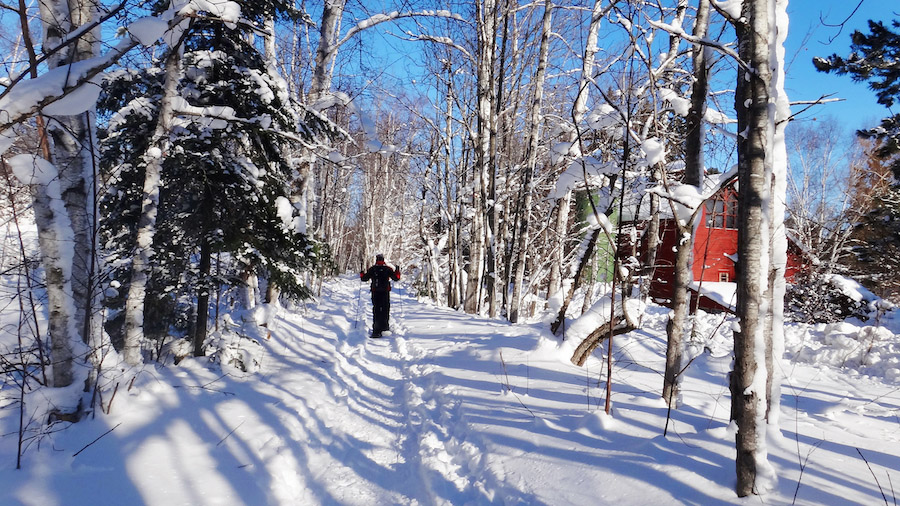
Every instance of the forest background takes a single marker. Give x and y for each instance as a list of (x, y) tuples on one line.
[(176, 155)]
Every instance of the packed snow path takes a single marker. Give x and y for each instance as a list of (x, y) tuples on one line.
[(452, 409), (379, 428)]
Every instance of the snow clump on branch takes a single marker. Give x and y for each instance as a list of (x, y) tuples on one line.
[(603, 117), (680, 105), (148, 30), (229, 12), (654, 151), (731, 7), (585, 171)]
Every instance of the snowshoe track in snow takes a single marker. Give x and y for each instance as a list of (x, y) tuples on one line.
[(422, 448)]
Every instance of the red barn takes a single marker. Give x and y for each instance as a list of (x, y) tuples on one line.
[(715, 255)]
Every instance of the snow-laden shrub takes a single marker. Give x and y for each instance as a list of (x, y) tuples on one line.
[(816, 298), (176, 349), (234, 350)]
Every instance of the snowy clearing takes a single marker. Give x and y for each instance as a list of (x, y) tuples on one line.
[(456, 409)]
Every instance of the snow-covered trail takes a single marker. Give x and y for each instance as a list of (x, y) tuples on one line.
[(448, 409), (377, 429), (403, 437)]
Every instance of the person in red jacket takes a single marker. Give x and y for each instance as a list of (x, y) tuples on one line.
[(381, 276)]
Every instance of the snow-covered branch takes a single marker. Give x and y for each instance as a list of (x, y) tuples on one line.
[(810, 103), (73, 88), (729, 9), (679, 31), (391, 16), (687, 200), (28, 97), (71, 38), (447, 41), (66, 87)]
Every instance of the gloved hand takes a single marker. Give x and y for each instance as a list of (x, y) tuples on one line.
[(361, 274)]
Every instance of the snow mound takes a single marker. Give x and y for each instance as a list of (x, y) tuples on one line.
[(862, 349)]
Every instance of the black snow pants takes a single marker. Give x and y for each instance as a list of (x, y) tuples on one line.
[(381, 310)]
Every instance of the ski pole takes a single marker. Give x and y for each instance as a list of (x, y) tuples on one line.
[(359, 297), (358, 306), (400, 295)]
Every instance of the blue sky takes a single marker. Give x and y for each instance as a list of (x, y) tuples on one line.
[(804, 83)]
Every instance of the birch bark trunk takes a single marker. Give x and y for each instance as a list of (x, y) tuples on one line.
[(531, 163), (778, 251), (140, 261), (752, 106), (454, 206), (71, 152), (56, 253), (74, 156), (325, 51), (486, 48), (693, 175)]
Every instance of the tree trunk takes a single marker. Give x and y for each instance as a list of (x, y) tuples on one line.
[(590, 343), (56, 251), (71, 152), (582, 263), (652, 238), (693, 175), (530, 164), (486, 46), (140, 261), (454, 284), (699, 89), (269, 41), (778, 254), (325, 52), (202, 322), (558, 252), (752, 106), (492, 210), (246, 293), (678, 316), (272, 293), (74, 158)]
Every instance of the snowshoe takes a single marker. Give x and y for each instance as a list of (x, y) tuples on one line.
[(375, 333)]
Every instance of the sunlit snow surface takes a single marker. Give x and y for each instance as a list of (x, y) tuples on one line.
[(456, 409)]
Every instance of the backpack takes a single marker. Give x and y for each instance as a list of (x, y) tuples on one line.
[(381, 279)]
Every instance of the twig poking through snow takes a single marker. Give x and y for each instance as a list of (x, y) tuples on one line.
[(105, 433), (873, 475), (505, 372), (230, 433)]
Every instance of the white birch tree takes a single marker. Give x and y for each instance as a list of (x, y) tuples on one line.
[(143, 252), (693, 175), (761, 106), (534, 123), (486, 30)]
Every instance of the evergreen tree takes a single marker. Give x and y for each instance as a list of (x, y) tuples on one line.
[(225, 190), (873, 58)]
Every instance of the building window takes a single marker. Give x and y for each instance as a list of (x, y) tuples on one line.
[(724, 277), (721, 210)]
